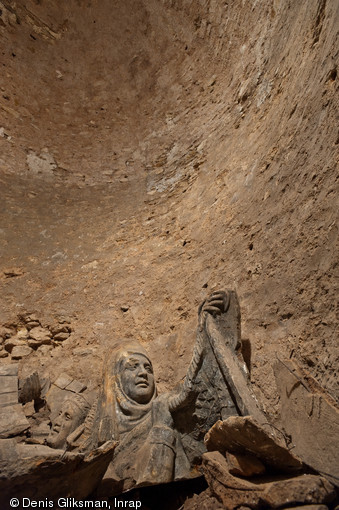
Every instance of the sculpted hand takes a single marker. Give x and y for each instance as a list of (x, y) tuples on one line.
[(215, 304), (160, 411)]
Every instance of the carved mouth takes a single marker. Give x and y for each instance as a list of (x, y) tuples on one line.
[(142, 384)]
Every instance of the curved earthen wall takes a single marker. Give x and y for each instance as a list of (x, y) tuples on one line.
[(153, 151)]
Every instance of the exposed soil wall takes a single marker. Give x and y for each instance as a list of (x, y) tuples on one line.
[(154, 151)]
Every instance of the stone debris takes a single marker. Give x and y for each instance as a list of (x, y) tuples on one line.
[(21, 351), (271, 492), (247, 467), (36, 471), (29, 409), (242, 434), (61, 336), (3, 353), (14, 341), (31, 335), (41, 335), (244, 465)]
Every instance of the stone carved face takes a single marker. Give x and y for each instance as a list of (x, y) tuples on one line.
[(137, 378), (69, 418)]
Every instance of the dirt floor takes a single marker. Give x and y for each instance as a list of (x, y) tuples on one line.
[(152, 151)]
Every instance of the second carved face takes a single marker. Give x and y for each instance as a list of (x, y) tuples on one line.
[(68, 420), (137, 378)]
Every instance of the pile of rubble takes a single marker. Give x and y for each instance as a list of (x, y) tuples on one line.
[(247, 468), (19, 340)]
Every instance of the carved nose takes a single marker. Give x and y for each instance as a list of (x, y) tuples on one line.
[(142, 372), (58, 420)]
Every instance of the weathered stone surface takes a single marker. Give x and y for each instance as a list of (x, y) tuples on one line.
[(310, 418), (11, 369), (244, 465), (3, 353), (8, 390), (276, 493), (61, 336), (8, 385), (203, 501), (40, 334), (12, 421), (14, 341), (76, 386), (5, 332), (47, 473), (21, 351), (32, 324), (29, 409), (63, 381), (60, 328), (242, 434)]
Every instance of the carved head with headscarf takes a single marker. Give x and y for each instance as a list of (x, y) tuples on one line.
[(127, 392)]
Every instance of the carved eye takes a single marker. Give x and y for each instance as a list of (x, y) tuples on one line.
[(67, 416), (131, 366), (149, 369)]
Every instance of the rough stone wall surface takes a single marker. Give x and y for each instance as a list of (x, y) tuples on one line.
[(152, 151)]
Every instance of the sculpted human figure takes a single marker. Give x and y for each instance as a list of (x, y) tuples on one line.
[(161, 438), (130, 412), (72, 413)]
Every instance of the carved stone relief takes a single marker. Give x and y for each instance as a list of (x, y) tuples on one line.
[(128, 436)]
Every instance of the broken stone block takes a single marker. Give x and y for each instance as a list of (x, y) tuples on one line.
[(11, 369), (60, 328), (3, 353), (12, 421), (76, 386), (29, 409), (44, 349), (32, 324), (63, 381), (5, 332), (8, 385), (22, 333), (14, 341), (244, 465), (35, 344), (61, 336), (242, 434), (279, 492), (8, 390), (310, 417), (21, 351), (42, 335), (299, 490), (43, 472)]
